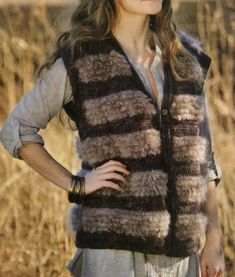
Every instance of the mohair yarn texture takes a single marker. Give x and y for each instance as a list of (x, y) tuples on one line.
[(167, 151)]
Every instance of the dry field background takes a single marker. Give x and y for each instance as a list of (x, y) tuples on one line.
[(34, 237)]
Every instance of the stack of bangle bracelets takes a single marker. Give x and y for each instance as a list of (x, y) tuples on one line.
[(76, 192)]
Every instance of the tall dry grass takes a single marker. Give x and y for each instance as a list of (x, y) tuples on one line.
[(34, 237), (216, 29)]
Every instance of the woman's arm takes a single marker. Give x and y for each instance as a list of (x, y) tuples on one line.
[(35, 110), (38, 158), (213, 231), (19, 133), (214, 170), (212, 257)]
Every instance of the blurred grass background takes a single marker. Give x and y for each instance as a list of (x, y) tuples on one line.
[(34, 237)]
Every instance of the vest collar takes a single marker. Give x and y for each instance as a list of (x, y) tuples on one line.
[(190, 42)]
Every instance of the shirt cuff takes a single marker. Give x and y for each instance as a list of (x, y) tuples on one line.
[(214, 172), (24, 140)]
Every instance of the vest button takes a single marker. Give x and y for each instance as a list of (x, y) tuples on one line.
[(164, 111)]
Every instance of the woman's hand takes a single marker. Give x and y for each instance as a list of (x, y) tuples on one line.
[(98, 178), (212, 257), (212, 260)]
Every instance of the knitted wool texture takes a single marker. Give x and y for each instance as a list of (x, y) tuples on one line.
[(159, 210)]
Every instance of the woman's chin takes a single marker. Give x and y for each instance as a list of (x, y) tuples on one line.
[(152, 9)]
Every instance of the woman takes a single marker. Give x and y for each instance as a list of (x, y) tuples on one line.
[(134, 90)]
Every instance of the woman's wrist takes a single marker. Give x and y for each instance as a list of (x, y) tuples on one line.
[(76, 192), (214, 234)]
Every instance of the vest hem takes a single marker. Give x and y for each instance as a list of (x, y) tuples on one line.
[(148, 245)]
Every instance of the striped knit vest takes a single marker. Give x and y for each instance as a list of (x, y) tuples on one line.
[(159, 210)]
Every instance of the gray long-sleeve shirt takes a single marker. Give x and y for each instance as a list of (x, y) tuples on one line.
[(49, 94)]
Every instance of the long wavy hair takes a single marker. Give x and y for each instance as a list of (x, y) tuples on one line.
[(94, 20)]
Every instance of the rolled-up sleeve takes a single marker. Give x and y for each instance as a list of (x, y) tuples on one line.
[(214, 169), (215, 173), (35, 109)]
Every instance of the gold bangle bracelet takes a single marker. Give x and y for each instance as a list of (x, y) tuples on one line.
[(81, 194), (76, 192), (71, 193)]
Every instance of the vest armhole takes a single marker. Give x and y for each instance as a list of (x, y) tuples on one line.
[(66, 57), (68, 107), (194, 46)]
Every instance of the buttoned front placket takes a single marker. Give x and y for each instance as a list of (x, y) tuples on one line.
[(164, 123)]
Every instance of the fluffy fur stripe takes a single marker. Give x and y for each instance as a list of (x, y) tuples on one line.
[(191, 189), (140, 184), (144, 191), (189, 149), (116, 106), (101, 67), (73, 218), (150, 162), (147, 183), (191, 226), (124, 221), (187, 107), (134, 145)]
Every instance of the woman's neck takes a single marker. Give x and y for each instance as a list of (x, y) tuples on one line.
[(135, 36), (133, 32)]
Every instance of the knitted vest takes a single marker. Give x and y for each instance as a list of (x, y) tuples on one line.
[(159, 210)]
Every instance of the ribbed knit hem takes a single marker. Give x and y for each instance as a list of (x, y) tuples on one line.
[(110, 240), (178, 248)]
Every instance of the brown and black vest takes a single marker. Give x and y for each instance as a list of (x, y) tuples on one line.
[(167, 151)]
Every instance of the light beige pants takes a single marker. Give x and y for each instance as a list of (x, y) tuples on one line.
[(122, 263)]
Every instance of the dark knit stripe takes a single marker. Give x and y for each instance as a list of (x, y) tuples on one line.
[(187, 87), (181, 248), (122, 126), (141, 164), (186, 207), (146, 203), (112, 240), (149, 245), (90, 48), (182, 129), (103, 88), (181, 169)]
